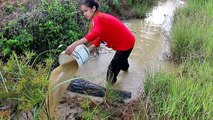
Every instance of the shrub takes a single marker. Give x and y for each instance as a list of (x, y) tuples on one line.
[(44, 27), (22, 84)]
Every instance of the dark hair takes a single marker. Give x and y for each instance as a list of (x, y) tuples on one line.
[(90, 3)]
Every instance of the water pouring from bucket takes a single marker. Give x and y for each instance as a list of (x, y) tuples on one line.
[(61, 77), (81, 54)]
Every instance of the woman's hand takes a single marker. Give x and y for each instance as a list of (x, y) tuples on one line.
[(70, 49), (92, 48)]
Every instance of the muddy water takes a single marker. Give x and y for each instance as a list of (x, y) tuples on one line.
[(59, 81), (148, 54)]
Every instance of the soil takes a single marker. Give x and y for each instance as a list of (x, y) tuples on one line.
[(11, 2), (4, 15), (70, 108)]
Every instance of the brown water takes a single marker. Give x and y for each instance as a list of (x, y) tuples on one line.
[(60, 79)]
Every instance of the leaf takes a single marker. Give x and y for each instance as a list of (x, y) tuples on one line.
[(1, 42), (12, 43), (6, 51)]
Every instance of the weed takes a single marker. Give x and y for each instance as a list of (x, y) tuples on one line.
[(186, 94), (24, 85)]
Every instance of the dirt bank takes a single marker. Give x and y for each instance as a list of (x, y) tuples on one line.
[(71, 107)]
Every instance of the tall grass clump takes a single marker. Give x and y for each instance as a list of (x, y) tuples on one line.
[(22, 85), (192, 36), (141, 7), (187, 94)]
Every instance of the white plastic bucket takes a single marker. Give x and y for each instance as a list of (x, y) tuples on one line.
[(80, 54)]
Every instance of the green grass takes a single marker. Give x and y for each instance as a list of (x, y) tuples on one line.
[(22, 85), (141, 7), (187, 93), (192, 36), (127, 8)]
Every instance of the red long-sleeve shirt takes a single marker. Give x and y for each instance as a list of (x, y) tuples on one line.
[(113, 32)]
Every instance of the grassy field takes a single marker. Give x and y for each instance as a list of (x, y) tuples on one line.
[(187, 93)]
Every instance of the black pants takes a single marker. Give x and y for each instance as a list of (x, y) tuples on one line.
[(119, 62)]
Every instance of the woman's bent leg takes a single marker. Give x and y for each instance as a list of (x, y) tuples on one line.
[(119, 62)]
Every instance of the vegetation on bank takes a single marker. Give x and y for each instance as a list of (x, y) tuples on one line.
[(125, 9), (41, 26), (31, 37), (23, 85), (186, 93)]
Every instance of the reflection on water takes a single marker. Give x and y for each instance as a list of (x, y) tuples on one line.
[(148, 53)]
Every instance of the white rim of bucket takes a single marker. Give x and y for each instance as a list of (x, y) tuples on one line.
[(76, 56)]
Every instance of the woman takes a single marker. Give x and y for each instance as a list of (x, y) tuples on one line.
[(108, 29)]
